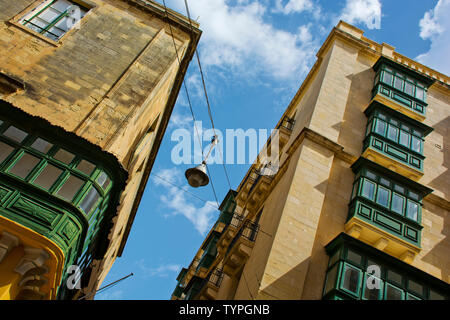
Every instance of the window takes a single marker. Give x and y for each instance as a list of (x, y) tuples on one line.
[(15, 134), (372, 291), (368, 189), (48, 176), (380, 127), (64, 156), (53, 18), (416, 144), (24, 165), (70, 188), (415, 287), (5, 151), (392, 133), (404, 138), (398, 203), (103, 180), (383, 196), (354, 257), (394, 277), (90, 200), (41, 145), (86, 167), (393, 293), (412, 210), (351, 279), (331, 279)]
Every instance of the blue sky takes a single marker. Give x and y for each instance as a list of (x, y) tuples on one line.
[(255, 55)]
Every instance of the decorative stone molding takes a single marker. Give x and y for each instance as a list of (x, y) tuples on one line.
[(7, 243), (33, 258)]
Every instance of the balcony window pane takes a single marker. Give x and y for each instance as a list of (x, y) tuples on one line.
[(399, 189), (409, 88), (331, 279), (392, 133), (48, 176), (398, 203), (90, 200), (371, 175), (5, 151), (394, 276), (387, 78), (350, 279), (411, 297), (103, 180), (383, 196), (385, 182), (64, 156), (334, 258), (393, 293), (415, 287), (416, 144), (41, 145), (15, 134), (420, 93), (70, 188), (413, 195), (368, 189), (404, 138), (372, 288), (86, 167), (355, 189), (398, 83), (436, 296), (354, 257), (380, 127), (24, 165), (412, 210)]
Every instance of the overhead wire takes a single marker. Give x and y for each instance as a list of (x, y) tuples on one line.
[(182, 189), (190, 105), (206, 97)]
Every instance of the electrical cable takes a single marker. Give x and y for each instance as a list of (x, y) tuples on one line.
[(189, 102), (206, 97), (182, 189)]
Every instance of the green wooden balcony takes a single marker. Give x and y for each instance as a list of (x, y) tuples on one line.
[(357, 271), (385, 210), (193, 288), (402, 86), (394, 139)]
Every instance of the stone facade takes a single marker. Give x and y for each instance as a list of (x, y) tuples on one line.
[(111, 82), (306, 204)]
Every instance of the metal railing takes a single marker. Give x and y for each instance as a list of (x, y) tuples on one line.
[(249, 231), (287, 123)]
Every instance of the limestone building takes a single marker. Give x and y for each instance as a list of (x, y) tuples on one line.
[(86, 91), (359, 208)]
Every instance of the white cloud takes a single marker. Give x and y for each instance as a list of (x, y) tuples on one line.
[(161, 271), (435, 26), (294, 6), (180, 120), (238, 37), (176, 200), (367, 12), (110, 295)]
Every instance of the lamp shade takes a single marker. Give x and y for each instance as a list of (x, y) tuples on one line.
[(197, 176)]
